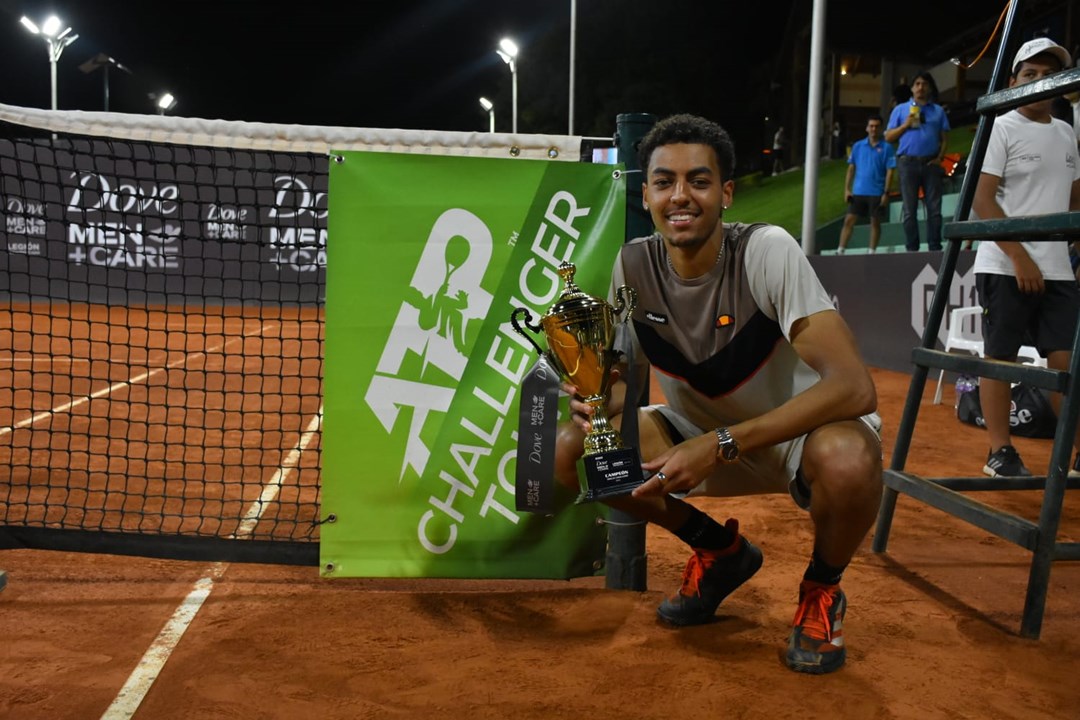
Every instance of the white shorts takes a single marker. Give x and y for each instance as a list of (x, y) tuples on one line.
[(774, 469)]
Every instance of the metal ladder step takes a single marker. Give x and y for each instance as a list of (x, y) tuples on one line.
[(1044, 378)]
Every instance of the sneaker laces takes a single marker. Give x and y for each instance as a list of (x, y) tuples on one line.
[(813, 613), (694, 571), (703, 560)]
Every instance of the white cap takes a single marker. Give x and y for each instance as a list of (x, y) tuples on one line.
[(1041, 45)]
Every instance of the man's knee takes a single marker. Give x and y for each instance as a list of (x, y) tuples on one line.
[(654, 433), (844, 457)]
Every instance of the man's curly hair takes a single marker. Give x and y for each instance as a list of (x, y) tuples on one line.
[(689, 129)]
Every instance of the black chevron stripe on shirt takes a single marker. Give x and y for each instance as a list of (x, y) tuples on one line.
[(726, 370)]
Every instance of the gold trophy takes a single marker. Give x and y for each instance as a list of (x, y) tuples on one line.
[(580, 331)]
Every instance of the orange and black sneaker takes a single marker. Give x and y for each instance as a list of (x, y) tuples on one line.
[(816, 643), (709, 577)]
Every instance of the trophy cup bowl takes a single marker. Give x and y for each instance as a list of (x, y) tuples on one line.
[(580, 332)]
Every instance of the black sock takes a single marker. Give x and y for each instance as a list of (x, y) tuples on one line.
[(821, 572), (702, 532)]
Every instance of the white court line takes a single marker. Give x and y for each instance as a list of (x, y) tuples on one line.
[(142, 678), (271, 489), (33, 360), (34, 419)]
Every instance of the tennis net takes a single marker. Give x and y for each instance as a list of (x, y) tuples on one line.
[(162, 285), (161, 348)]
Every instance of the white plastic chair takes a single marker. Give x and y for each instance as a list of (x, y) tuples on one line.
[(961, 337)]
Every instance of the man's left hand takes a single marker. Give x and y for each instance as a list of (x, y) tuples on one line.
[(680, 468)]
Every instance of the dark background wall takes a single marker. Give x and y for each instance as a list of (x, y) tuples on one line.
[(885, 299)]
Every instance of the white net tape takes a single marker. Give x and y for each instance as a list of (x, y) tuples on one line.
[(292, 138)]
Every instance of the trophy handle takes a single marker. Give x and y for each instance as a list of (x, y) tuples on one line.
[(528, 320), (627, 297)]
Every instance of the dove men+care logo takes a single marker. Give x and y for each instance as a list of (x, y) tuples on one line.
[(123, 222), (24, 221), (451, 368), (297, 221)]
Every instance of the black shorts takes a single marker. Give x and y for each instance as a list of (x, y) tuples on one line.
[(866, 206), (1011, 318)]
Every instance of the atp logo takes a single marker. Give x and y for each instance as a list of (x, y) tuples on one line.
[(443, 302)]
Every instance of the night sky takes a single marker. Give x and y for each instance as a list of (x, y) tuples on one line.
[(424, 64)]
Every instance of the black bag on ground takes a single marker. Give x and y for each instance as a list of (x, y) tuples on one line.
[(1031, 414)]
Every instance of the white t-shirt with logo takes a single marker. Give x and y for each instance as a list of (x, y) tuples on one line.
[(1037, 164)]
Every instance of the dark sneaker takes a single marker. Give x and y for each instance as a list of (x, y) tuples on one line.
[(1075, 470), (1005, 462), (816, 643), (709, 577)]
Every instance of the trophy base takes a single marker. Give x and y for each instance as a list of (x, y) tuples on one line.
[(611, 473)]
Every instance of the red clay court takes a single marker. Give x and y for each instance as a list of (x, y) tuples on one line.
[(932, 628)]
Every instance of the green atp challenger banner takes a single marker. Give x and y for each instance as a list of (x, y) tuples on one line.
[(430, 256)]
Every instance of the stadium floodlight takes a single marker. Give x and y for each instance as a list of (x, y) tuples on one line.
[(508, 51), (165, 101), (490, 107), (56, 39)]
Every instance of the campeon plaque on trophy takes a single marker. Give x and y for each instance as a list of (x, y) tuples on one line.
[(580, 332)]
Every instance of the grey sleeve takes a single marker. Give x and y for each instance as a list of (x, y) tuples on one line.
[(781, 280)]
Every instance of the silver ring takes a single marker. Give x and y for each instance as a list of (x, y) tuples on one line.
[(661, 477)]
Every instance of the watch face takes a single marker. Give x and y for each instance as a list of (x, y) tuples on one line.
[(730, 451)]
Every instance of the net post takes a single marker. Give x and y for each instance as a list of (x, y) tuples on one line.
[(626, 567)]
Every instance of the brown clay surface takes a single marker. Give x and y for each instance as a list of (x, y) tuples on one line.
[(932, 628)]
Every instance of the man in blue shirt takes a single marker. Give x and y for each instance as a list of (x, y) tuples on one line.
[(920, 127), (871, 167)]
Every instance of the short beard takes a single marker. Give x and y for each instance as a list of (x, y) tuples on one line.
[(687, 243)]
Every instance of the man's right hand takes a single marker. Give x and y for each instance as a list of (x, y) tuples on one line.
[(1029, 278)]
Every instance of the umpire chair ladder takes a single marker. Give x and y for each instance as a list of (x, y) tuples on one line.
[(947, 494)]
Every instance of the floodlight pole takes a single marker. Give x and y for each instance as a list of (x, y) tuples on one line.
[(508, 51), (513, 75), (52, 73), (56, 49), (813, 127), (103, 61), (56, 42), (573, 43), (490, 108)]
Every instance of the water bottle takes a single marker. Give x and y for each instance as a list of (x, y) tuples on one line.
[(964, 384)]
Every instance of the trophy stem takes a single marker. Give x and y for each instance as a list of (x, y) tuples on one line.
[(603, 436)]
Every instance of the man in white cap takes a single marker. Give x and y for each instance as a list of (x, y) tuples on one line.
[(1027, 289)]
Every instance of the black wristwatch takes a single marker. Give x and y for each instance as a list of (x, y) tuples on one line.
[(727, 448)]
